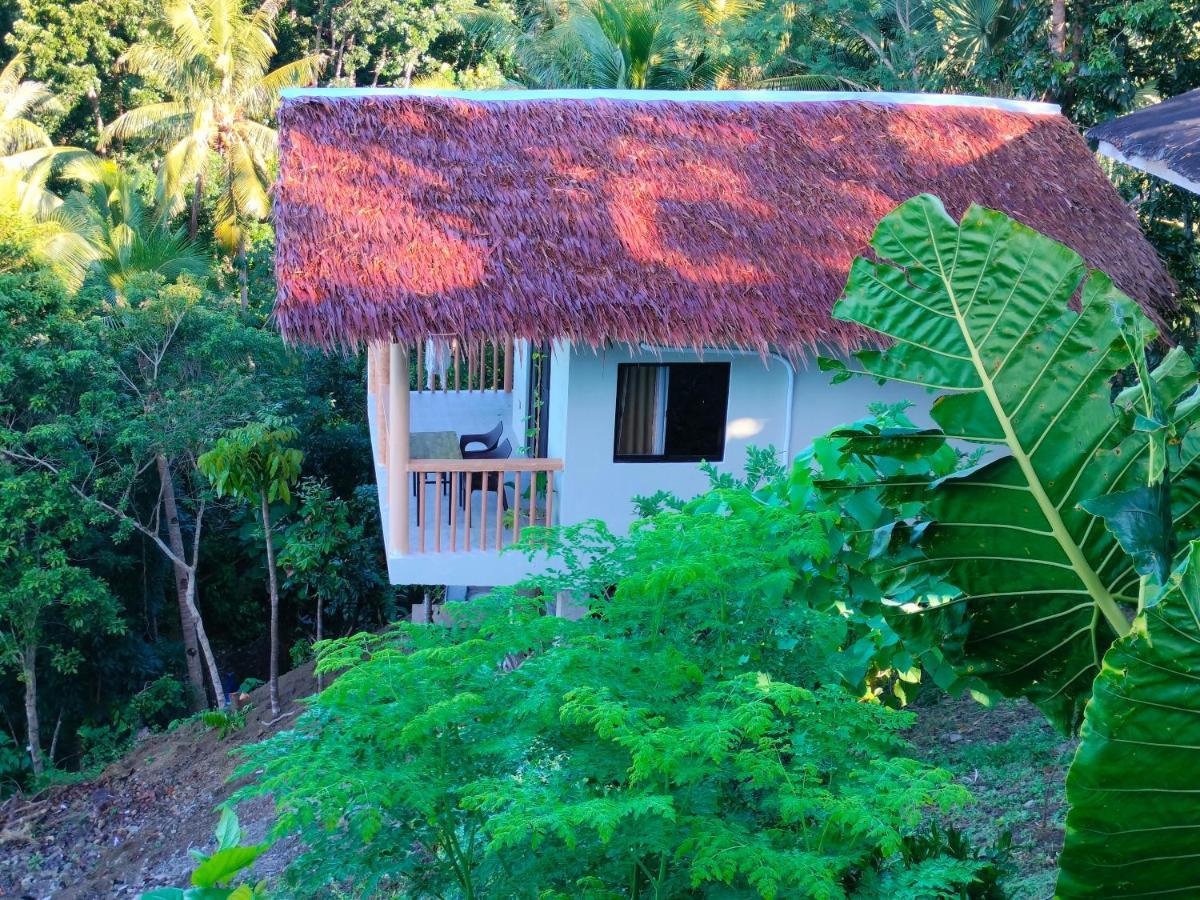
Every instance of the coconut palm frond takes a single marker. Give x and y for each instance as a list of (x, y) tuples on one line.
[(249, 183), (806, 81), (976, 28), (154, 121), (20, 99), (260, 98), (106, 227), (182, 163), (263, 141)]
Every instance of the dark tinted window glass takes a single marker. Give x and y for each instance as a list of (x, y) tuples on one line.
[(671, 412)]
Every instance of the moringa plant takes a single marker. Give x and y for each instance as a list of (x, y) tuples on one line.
[(1062, 540)]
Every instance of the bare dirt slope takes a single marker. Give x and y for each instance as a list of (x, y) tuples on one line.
[(130, 829)]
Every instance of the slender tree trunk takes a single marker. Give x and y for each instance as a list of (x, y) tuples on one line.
[(1058, 28), (32, 729), (197, 197), (94, 100), (187, 622), (214, 674), (379, 64), (53, 754), (320, 634), (243, 270), (274, 679)]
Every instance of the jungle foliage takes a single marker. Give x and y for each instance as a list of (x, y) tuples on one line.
[(1069, 544), (701, 729)]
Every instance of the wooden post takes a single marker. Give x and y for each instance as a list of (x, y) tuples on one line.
[(397, 460), (508, 365)]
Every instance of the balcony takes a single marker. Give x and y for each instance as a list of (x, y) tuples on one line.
[(445, 518)]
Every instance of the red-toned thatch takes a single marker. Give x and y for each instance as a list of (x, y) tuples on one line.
[(667, 222)]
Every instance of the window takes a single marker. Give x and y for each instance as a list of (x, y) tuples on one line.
[(673, 412)]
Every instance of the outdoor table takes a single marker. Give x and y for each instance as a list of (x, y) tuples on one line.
[(432, 445)]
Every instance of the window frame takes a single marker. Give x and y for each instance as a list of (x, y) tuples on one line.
[(620, 458)]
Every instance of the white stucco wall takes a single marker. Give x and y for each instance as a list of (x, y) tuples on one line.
[(583, 401)]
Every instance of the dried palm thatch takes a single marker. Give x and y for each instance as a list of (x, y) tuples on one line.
[(668, 222)]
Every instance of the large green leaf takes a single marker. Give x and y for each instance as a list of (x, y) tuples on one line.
[(1134, 825), (980, 310)]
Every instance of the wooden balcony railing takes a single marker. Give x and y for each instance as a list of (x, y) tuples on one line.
[(477, 504), (476, 365), (423, 494)]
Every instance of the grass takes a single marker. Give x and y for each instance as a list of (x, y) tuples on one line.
[(1014, 763)]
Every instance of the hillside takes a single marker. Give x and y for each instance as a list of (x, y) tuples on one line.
[(130, 829)]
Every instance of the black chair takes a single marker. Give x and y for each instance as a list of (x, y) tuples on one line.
[(486, 481), (489, 441)]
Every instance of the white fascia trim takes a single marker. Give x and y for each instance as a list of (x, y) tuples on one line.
[(1155, 167), (521, 96)]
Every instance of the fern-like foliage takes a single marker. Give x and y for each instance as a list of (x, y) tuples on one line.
[(692, 737)]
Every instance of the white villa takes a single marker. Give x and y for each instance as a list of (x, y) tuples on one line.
[(571, 298)]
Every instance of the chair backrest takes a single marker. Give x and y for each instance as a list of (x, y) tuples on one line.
[(502, 450), (493, 437), (488, 440)]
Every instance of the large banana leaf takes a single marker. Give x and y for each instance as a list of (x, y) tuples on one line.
[(1133, 829), (980, 310)]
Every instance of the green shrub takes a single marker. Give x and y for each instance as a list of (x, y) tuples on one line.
[(160, 702), (16, 774), (690, 737), (225, 721)]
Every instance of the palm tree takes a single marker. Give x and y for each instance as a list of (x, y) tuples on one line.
[(19, 100), (976, 31), (211, 60), (624, 44), (104, 226)]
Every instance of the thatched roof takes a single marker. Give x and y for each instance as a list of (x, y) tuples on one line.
[(1163, 139), (714, 219)]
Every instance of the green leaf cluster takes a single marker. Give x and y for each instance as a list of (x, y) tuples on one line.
[(1060, 546), (690, 736)]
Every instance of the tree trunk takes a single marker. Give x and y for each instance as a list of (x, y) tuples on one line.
[(32, 730), (94, 100), (53, 754), (197, 197), (1058, 28), (274, 679), (187, 622), (214, 673), (243, 271), (320, 634)]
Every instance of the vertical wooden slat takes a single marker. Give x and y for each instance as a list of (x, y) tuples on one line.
[(453, 500), (549, 497), (457, 366), (499, 507), (482, 511), (420, 366), (397, 454), (533, 497), (482, 365), (508, 364), (516, 506), (422, 517), (470, 365), (496, 365), (467, 476)]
